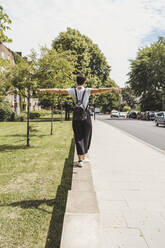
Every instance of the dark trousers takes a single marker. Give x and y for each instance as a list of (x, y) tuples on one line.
[(82, 134)]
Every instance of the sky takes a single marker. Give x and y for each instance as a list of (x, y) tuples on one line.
[(118, 27)]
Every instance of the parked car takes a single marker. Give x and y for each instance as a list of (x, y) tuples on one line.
[(123, 114), (132, 115), (142, 116), (160, 118), (114, 113), (150, 115)]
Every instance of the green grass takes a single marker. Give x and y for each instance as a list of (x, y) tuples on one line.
[(34, 183)]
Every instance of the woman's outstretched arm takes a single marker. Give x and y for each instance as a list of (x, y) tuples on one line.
[(104, 90), (55, 91)]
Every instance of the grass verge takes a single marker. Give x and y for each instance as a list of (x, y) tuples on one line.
[(34, 183)]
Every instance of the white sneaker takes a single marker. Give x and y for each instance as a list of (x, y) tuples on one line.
[(85, 160), (80, 163)]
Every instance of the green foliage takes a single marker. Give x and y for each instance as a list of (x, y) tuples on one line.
[(4, 65), (19, 77), (126, 108), (21, 117), (128, 97), (17, 58), (4, 25), (5, 110), (107, 101), (88, 59), (44, 112), (55, 70), (34, 114), (138, 108), (147, 77)]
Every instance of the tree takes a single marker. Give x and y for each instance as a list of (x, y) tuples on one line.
[(147, 77), (5, 22), (21, 77), (55, 70), (6, 111), (128, 97), (88, 59), (107, 101), (126, 108)]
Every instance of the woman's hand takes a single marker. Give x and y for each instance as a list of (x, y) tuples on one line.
[(116, 90)]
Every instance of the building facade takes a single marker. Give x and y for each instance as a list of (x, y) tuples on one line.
[(13, 99)]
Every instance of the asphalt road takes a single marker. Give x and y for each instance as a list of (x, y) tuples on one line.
[(144, 130)]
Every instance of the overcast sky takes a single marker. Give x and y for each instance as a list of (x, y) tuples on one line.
[(119, 27)]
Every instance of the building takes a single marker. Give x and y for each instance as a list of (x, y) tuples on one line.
[(5, 53), (13, 99), (34, 104)]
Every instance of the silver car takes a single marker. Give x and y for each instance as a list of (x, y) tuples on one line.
[(160, 118), (114, 113)]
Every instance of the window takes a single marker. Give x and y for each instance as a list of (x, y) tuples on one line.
[(3, 54), (160, 114)]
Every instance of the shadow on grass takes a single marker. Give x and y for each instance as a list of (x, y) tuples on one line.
[(59, 203), (24, 135), (32, 204), (46, 120), (10, 148), (55, 228)]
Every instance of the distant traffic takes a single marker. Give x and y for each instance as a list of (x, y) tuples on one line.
[(158, 117)]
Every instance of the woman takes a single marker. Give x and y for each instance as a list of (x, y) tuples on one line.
[(82, 128)]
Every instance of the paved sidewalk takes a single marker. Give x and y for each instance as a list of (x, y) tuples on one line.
[(129, 180)]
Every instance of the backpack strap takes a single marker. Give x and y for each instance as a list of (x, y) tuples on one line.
[(83, 96), (77, 96)]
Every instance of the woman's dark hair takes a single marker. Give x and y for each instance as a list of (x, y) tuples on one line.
[(80, 79)]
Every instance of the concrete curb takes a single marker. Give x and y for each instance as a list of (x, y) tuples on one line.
[(81, 227)]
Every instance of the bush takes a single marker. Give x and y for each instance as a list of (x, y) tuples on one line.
[(57, 111), (44, 112), (6, 112), (21, 117), (34, 114), (126, 108), (12, 117)]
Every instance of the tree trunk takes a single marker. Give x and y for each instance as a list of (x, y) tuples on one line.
[(28, 117), (67, 113), (51, 132), (61, 112), (163, 100)]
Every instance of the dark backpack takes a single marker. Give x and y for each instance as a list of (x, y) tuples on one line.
[(79, 111)]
